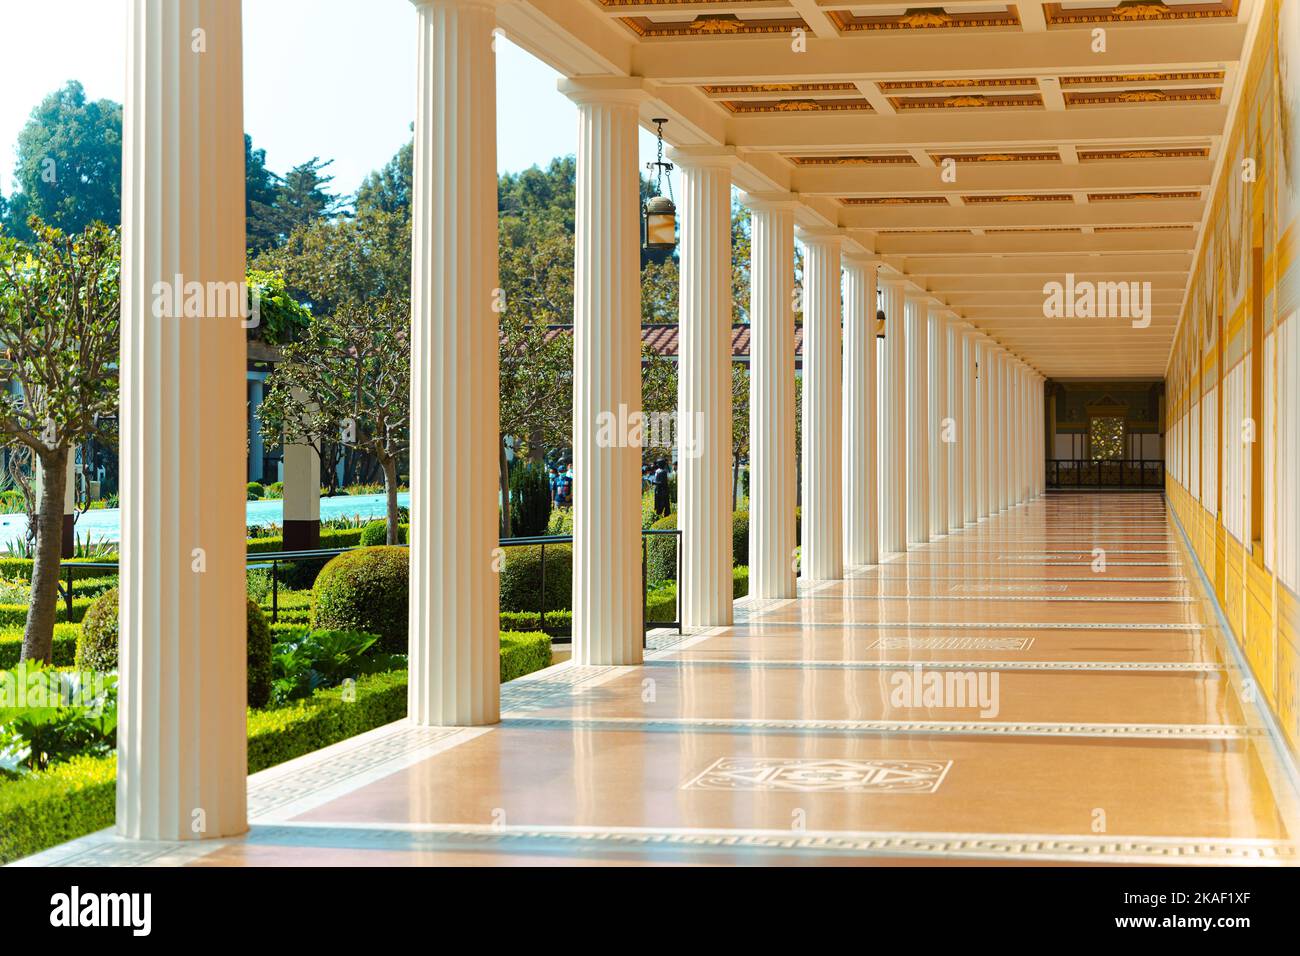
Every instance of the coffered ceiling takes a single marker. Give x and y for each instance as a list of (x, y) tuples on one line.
[(980, 149)]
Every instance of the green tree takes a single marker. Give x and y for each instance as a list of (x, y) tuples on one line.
[(302, 197), (739, 424), (389, 189), (259, 189), (348, 380), (59, 334), (69, 168)]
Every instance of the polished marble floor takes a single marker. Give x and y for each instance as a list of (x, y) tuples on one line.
[(1000, 695)]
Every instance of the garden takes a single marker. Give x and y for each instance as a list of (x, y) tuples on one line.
[(332, 665)]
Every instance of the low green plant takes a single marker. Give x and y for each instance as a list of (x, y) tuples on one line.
[(275, 489), (258, 584), (256, 491), (318, 659), (81, 720), (14, 591)]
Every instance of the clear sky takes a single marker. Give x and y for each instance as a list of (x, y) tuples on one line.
[(328, 78)]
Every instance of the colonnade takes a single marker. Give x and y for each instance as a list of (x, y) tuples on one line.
[(928, 441)]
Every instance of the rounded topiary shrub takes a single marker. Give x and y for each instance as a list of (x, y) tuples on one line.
[(259, 657), (375, 533), (661, 551), (365, 590), (740, 538), (97, 644), (256, 490), (521, 578)]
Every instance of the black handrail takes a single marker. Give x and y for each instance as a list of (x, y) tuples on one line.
[(274, 558)]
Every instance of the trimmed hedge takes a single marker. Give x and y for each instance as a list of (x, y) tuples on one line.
[(521, 578), (97, 648), (739, 538), (65, 645), (15, 615), (557, 622), (523, 653), (45, 809), (661, 551), (79, 796), (329, 538), (72, 799), (259, 657), (21, 568), (365, 590), (375, 533)]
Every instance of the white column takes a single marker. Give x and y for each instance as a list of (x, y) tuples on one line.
[(918, 421), (957, 447), (937, 375), (1004, 431), (893, 420), (822, 554), (984, 428), (301, 497), (772, 492), (861, 539), (969, 430), (704, 386), (999, 418), (453, 608), (181, 734), (607, 595)]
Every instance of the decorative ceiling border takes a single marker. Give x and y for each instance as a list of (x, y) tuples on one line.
[(967, 101), (710, 25), (866, 159), (1136, 11), (1181, 95), (925, 18), (1185, 152), (797, 106)]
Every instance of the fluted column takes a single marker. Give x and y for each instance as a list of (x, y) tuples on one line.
[(607, 595), (453, 607), (986, 433), (969, 429), (861, 538), (822, 554), (918, 421), (957, 447), (182, 693), (704, 386), (1003, 431), (893, 420), (937, 375), (772, 492)]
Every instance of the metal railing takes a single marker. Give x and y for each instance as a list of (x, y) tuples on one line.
[(1105, 473), (273, 560)]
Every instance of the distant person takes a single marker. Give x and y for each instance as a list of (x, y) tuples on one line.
[(662, 505)]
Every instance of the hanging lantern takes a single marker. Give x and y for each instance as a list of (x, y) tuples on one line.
[(659, 213)]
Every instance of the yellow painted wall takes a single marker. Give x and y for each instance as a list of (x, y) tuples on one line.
[(1231, 307)]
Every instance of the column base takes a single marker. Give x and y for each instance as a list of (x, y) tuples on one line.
[(301, 535)]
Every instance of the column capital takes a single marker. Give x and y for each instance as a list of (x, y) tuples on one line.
[(860, 260), (611, 90), (819, 236), (769, 200), (697, 157)]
